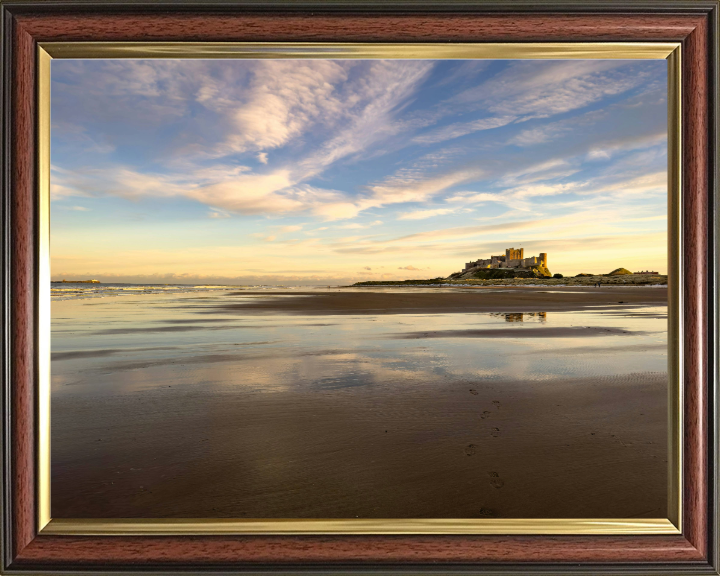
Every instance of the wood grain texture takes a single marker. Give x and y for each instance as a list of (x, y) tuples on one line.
[(45, 551), (355, 549), (358, 28), (696, 188), (22, 290)]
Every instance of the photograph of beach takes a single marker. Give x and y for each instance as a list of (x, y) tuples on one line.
[(374, 289)]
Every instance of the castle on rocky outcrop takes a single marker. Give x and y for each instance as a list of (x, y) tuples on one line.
[(514, 258)]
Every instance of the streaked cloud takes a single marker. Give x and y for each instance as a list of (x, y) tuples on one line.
[(459, 129), (525, 88), (423, 214)]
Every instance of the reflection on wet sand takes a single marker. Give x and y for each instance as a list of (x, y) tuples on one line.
[(425, 414), (549, 332), (523, 317)]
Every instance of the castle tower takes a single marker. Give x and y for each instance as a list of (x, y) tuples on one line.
[(513, 254), (543, 259)]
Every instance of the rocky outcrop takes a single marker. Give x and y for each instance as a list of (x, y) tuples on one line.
[(479, 273)]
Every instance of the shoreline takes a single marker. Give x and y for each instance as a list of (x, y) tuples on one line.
[(512, 299), (627, 280), (502, 284)]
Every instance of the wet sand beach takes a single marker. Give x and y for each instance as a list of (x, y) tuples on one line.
[(370, 403), (449, 300)]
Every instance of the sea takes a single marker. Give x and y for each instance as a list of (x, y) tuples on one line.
[(80, 290)]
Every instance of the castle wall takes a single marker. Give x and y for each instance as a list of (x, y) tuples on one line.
[(492, 262)]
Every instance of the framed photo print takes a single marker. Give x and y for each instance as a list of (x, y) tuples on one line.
[(359, 287)]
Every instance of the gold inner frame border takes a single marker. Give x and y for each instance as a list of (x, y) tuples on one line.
[(669, 51)]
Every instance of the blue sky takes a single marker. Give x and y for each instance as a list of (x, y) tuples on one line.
[(330, 171)]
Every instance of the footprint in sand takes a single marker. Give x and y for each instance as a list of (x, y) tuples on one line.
[(484, 415), (495, 480), (495, 432), (486, 513), (470, 449), (497, 404), (473, 392)]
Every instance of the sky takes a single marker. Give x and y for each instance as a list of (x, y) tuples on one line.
[(334, 171)]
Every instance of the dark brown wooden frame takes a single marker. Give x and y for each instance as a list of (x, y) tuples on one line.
[(694, 23)]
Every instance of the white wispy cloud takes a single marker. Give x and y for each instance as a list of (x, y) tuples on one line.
[(604, 150), (412, 187), (283, 98), (459, 129), (373, 105), (541, 91), (535, 170), (424, 214), (358, 225)]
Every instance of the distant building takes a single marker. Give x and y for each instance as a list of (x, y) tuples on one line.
[(647, 272), (513, 258)]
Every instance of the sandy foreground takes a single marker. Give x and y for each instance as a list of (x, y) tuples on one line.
[(455, 448)]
